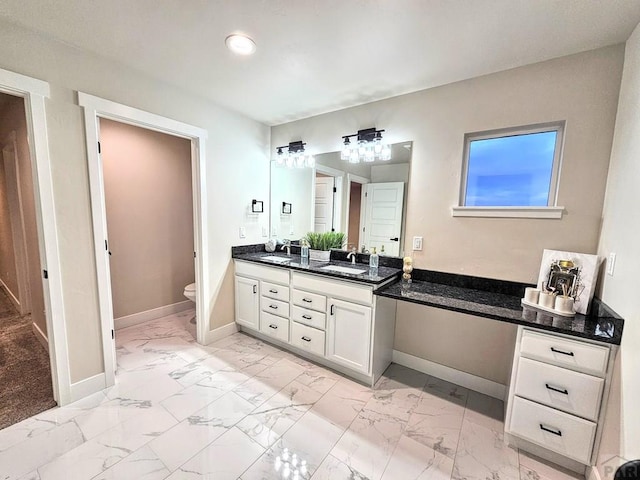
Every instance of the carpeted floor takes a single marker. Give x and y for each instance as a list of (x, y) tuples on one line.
[(25, 374)]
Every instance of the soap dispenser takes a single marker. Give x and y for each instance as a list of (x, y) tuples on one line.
[(373, 262), (304, 253)]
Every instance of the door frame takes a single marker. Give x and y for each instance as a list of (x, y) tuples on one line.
[(34, 92), (94, 109), (352, 178), (338, 176)]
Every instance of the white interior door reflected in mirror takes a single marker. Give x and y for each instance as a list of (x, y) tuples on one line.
[(324, 200), (381, 223)]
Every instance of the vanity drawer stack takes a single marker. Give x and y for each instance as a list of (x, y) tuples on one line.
[(556, 393), (274, 310), (308, 320)]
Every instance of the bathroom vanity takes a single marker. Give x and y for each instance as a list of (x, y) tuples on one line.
[(326, 314)]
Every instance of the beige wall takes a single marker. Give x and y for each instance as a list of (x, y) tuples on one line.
[(236, 145), (7, 256), (621, 235), (12, 118), (581, 89), (148, 196)]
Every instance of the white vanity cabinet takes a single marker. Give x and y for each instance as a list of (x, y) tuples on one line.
[(339, 323), (558, 388)]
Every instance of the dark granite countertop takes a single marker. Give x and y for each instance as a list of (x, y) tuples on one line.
[(383, 275), (500, 300)]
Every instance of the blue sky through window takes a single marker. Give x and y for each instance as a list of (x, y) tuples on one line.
[(510, 171)]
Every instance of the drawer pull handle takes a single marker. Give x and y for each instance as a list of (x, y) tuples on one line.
[(555, 350), (564, 391), (551, 430), (307, 300), (255, 289), (307, 317), (273, 291), (306, 339), (275, 307), (275, 327), (331, 310)]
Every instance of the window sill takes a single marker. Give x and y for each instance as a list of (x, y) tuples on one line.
[(508, 212)]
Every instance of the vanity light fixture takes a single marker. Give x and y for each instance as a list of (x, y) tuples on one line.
[(240, 44), (294, 156), (369, 147)]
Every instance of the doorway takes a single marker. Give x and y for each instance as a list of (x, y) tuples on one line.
[(25, 366), (96, 109)]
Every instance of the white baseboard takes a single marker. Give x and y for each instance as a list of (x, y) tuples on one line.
[(88, 386), (467, 380), (593, 474), (220, 332), (12, 297), (40, 336), (141, 317)]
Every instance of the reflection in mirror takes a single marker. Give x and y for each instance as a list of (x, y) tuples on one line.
[(364, 200)]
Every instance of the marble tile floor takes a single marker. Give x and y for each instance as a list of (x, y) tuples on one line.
[(243, 409)]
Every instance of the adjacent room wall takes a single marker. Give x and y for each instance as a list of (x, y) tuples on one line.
[(12, 118), (236, 145), (7, 256), (149, 203), (621, 235), (581, 89)]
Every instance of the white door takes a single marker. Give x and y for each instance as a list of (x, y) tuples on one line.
[(349, 334), (247, 302), (324, 204), (16, 219), (382, 215)]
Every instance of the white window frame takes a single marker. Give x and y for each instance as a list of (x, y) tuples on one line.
[(551, 210)]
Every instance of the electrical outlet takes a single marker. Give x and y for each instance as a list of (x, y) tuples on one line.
[(417, 243), (243, 232), (611, 263), (291, 231), (274, 232), (265, 232)]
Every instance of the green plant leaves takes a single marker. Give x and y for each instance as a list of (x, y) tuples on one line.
[(326, 240)]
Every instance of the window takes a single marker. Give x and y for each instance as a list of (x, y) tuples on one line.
[(516, 169)]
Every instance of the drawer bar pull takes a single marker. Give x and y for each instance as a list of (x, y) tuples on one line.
[(555, 350), (564, 391), (275, 327), (550, 430), (307, 317), (307, 300), (275, 307), (306, 339), (273, 291)]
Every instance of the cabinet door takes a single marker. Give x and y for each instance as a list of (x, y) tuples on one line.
[(247, 302), (349, 334)]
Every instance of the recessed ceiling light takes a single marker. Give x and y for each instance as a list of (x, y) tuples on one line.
[(240, 44)]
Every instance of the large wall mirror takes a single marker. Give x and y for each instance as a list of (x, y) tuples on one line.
[(367, 201)]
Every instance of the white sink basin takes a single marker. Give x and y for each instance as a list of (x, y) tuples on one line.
[(336, 268), (276, 258)]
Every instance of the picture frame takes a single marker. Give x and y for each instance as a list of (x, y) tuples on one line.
[(257, 206), (286, 208)]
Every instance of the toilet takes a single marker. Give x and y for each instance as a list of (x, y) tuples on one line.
[(190, 293)]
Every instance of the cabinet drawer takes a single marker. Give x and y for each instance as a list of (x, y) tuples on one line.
[(271, 290), (274, 326), (271, 274), (566, 390), (307, 338), (309, 300), (350, 291), (275, 307), (557, 431), (309, 317), (580, 356)]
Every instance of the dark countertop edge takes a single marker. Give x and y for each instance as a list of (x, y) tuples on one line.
[(326, 273)]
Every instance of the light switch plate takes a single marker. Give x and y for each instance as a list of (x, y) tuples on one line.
[(611, 263), (417, 243), (243, 232)]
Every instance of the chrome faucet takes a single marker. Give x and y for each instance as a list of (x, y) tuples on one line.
[(287, 245), (352, 255)]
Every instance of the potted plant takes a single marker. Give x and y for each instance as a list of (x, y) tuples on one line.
[(320, 244)]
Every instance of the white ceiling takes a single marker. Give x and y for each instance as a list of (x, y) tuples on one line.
[(316, 56)]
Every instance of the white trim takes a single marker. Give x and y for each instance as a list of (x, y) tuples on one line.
[(95, 108), (12, 297), (221, 332), (34, 92), (508, 212), (87, 387), (152, 314), (332, 172), (592, 473), (464, 379), (42, 338)]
